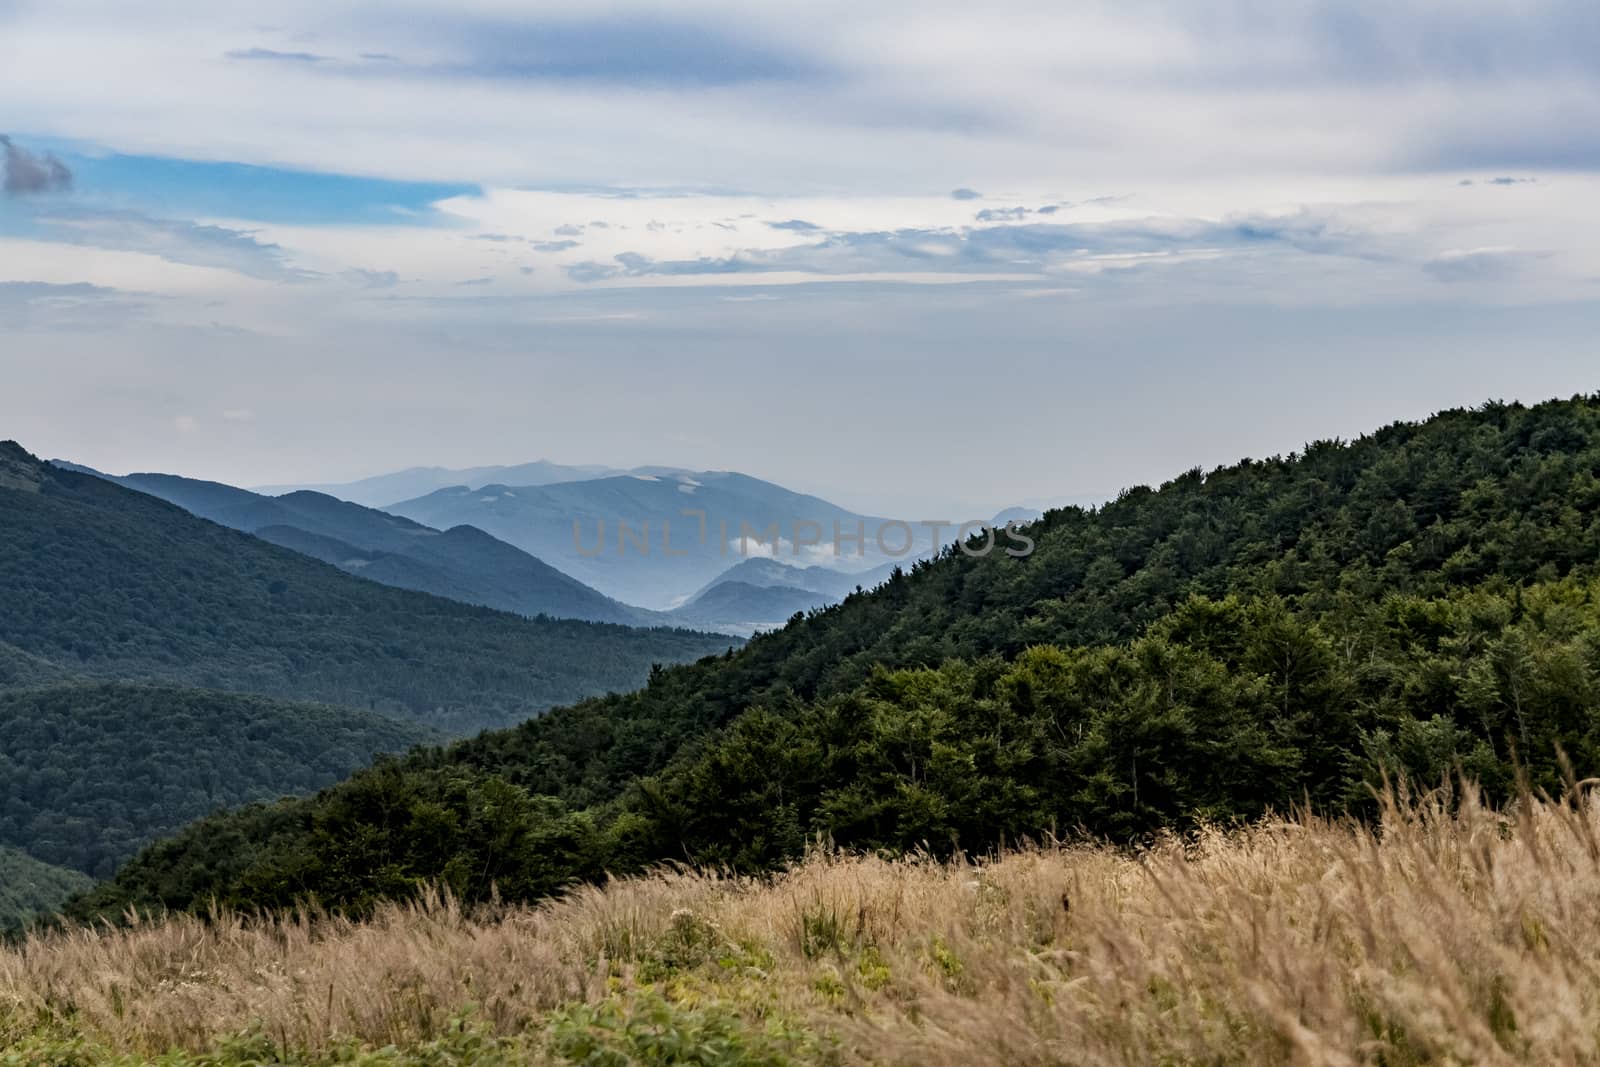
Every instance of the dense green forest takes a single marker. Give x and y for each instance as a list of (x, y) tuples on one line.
[(90, 773), (30, 889), (1234, 640), (19, 668), (105, 583)]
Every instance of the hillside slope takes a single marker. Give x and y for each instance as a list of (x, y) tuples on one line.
[(107, 583), (30, 889), (461, 563), (1230, 641), (90, 773)]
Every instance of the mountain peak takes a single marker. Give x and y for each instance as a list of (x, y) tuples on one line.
[(19, 468)]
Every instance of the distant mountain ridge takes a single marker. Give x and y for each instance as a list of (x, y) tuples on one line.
[(835, 584), (760, 593), (461, 563), (385, 489), (108, 583), (739, 607), (612, 533)]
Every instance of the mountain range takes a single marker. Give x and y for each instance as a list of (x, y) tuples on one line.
[(101, 582), (384, 489), (156, 666), (656, 539), (1422, 601), (462, 563)]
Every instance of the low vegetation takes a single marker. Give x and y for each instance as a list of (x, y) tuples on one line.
[(1446, 931)]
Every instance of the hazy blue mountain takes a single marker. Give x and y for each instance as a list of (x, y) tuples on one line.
[(575, 526), (107, 583), (743, 609), (461, 563), (761, 593), (767, 572), (385, 489)]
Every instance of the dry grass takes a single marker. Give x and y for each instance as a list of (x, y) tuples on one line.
[(1454, 934)]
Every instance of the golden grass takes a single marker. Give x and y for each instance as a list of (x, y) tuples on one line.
[(1451, 934)]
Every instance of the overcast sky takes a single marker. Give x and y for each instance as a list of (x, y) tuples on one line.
[(925, 258)]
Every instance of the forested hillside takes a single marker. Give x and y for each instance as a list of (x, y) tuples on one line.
[(90, 773), (19, 668), (107, 583), (30, 889), (1233, 640)]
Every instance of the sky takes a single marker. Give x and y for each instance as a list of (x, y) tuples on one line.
[(926, 259)]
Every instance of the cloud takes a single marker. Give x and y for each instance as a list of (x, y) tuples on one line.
[(1001, 214), (688, 49), (1500, 181), (592, 272), (28, 174), (238, 415), (1011, 249), (796, 226), (554, 246), (1481, 264), (272, 55), (72, 307), (191, 243), (569, 230), (965, 194), (186, 424), (372, 279)]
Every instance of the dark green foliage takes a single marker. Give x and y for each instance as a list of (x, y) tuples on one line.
[(91, 773), (1224, 711), (18, 668), (385, 832), (30, 889), (1270, 632), (103, 582)]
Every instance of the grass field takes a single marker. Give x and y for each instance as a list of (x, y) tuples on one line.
[(1451, 933)]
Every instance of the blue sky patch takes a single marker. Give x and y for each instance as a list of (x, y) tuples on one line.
[(191, 188)]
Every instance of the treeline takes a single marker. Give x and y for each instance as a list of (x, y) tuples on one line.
[(1235, 640)]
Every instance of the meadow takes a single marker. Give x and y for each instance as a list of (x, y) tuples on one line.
[(1447, 932)]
